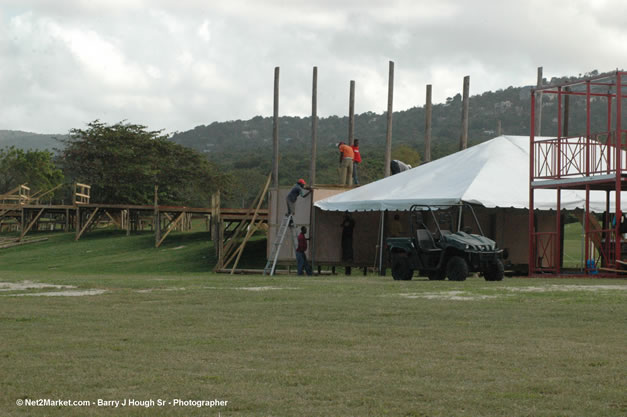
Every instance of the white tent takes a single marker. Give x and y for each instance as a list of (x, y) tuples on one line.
[(494, 174)]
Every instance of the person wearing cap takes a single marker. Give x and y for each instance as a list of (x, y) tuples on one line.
[(356, 160), (296, 191), (346, 164)]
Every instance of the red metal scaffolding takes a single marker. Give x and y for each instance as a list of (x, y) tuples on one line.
[(592, 161)]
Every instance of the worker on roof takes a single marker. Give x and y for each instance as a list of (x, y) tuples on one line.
[(346, 164)]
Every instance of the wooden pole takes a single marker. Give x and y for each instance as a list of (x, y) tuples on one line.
[(539, 105), (463, 142), (77, 221), (157, 218), (566, 112), (499, 129), (314, 126), (351, 114), (428, 112), (215, 222), (275, 167), (275, 131), (388, 135)]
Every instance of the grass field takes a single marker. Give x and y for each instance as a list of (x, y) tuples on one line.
[(158, 326)]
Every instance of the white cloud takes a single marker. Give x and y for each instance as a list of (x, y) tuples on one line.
[(203, 31), (175, 65)]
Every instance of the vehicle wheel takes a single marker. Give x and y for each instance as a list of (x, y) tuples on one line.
[(401, 270), (438, 275), (495, 271), (456, 269)]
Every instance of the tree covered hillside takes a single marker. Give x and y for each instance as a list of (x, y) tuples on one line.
[(244, 147)]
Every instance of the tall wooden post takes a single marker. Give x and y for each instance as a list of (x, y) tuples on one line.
[(499, 129), (157, 220), (79, 223), (275, 131), (314, 126), (566, 111), (463, 141), (275, 165), (428, 112), (388, 135), (539, 105), (351, 113), (215, 221)]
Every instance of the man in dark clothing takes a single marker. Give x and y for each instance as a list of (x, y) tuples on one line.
[(292, 196), (348, 224), (397, 166), (301, 250)]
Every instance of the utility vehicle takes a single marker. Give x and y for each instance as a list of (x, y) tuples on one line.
[(440, 247)]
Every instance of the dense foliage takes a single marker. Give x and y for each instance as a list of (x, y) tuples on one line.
[(33, 168), (123, 162)]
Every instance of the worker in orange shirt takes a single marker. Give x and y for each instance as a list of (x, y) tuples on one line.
[(346, 164), (356, 161)]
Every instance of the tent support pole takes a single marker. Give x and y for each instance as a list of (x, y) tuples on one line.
[(381, 270)]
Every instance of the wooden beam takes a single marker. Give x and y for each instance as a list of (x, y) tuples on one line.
[(170, 227), (20, 243), (275, 130), (36, 196), (314, 126), (388, 134), (31, 224), (428, 113), (87, 223), (258, 200), (240, 250), (117, 224), (351, 113), (539, 104), (252, 222), (157, 218), (463, 139)]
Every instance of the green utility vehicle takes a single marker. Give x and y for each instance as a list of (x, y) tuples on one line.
[(435, 251)]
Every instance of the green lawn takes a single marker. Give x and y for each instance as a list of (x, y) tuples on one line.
[(165, 328)]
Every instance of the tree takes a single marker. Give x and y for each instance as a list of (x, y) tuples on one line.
[(406, 154), (33, 168), (123, 162)]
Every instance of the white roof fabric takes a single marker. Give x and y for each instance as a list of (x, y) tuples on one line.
[(494, 174)]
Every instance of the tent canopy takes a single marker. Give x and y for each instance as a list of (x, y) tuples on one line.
[(494, 174)]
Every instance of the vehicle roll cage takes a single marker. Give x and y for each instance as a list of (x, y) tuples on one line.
[(416, 208)]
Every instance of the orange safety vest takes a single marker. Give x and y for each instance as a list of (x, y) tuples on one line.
[(347, 152)]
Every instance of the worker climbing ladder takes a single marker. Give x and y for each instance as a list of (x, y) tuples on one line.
[(287, 223)]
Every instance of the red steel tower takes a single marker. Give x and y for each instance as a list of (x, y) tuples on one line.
[(593, 162)]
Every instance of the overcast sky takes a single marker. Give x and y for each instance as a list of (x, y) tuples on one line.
[(174, 65)]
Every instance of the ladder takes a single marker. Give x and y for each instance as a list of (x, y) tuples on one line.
[(276, 246)]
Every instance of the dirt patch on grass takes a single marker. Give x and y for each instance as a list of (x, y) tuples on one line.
[(72, 293), (28, 285), (550, 288), (148, 290), (269, 288), (264, 288), (450, 295)]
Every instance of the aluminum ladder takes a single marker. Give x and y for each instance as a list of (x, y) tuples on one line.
[(286, 224)]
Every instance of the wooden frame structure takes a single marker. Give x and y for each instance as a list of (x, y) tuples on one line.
[(27, 214), (228, 250)]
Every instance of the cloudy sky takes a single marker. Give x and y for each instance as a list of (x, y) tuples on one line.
[(174, 65)]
